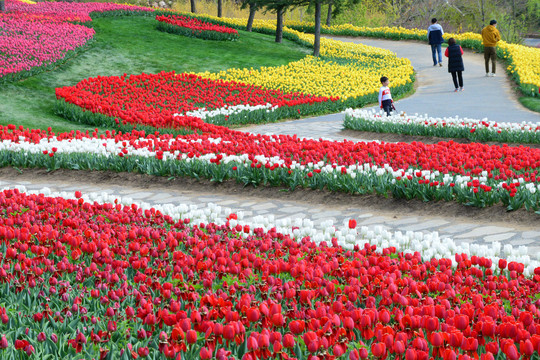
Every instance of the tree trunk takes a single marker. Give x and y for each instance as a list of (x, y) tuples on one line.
[(317, 42), (329, 15), (252, 10), (483, 13), (2, 6), (193, 9), (279, 26), (219, 8)]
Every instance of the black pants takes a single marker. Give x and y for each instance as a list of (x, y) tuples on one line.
[(387, 106), (490, 53), (457, 76)]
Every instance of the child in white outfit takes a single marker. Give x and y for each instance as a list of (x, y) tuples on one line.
[(385, 98)]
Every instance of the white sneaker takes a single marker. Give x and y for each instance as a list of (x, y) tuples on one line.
[(493, 75), (488, 75)]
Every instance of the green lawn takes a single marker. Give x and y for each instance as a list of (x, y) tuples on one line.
[(530, 103), (132, 45)]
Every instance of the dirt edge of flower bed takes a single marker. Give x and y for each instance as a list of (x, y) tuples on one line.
[(377, 205)]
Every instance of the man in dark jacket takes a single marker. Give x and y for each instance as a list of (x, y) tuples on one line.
[(435, 36)]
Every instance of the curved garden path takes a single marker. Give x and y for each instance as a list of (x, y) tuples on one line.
[(491, 97), (484, 97)]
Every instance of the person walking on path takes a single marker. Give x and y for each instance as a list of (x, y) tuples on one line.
[(454, 53), (435, 36), (385, 98), (490, 37)]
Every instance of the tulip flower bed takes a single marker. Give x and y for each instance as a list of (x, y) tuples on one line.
[(38, 37), (76, 12), (473, 174), (475, 130), (85, 279), (195, 28), (32, 43), (155, 100)]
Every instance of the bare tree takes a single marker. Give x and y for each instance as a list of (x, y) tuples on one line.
[(193, 9), (219, 8)]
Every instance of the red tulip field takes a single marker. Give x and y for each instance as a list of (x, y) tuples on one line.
[(97, 280)]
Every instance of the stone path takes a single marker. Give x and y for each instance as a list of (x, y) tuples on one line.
[(253, 206), (431, 95)]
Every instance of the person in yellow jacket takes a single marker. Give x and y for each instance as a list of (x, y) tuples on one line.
[(490, 37)]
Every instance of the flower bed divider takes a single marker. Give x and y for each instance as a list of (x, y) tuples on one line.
[(192, 27)]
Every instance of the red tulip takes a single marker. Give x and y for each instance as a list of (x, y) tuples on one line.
[(143, 351), (511, 352), (228, 332), (191, 336), (288, 341), (437, 339), (338, 350), (487, 356), (253, 314), (354, 355), (462, 322), (410, 354), (449, 354), (252, 344), (488, 328), (526, 347), (205, 353), (297, 327), (41, 337), (378, 350), (432, 324), (399, 347)]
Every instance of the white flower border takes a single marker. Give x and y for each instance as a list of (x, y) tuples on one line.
[(204, 113), (111, 147), (427, 121)]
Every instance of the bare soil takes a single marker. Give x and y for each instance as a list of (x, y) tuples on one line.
[(375, 204)]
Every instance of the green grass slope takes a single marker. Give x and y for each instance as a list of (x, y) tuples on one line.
[(132, 45)]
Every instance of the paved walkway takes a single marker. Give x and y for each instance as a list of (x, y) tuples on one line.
[(484, 97), (489, 97)]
